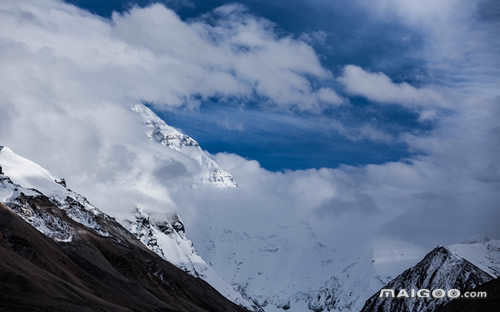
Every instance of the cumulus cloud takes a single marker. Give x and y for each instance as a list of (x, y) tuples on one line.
[(447, 193), (459, 39), (151, 54), (380, 88), (69, 78)]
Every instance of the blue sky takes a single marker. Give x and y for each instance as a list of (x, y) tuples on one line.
[(291, 139)]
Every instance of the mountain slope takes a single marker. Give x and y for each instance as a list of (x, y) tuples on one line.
[(91, 273), (452, 267), (163, 234), (158, 131), (60, 253), (489, 304), (267, 269), (279, 273), (166, 237), (261, 263), (157, 230)]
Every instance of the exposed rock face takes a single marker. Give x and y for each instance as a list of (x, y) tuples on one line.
[(61, 181), (143, 230)]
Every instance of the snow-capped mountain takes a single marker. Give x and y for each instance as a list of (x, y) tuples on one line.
[(59, 253), (273, 266), (316, 276), (21, 179), (162, 235), (251, 261), (166, 237), (461, 266), (253, 276), (158, 131), (285, 267)]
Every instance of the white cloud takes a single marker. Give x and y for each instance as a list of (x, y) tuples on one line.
[(315, 37), (150, 54), (327, 95), (420, 13), (69, 77), (458, 40), (380, 88)]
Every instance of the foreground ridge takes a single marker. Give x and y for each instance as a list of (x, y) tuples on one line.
[(61, 253)]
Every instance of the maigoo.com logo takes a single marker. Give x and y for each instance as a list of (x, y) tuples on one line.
[(437, 293)]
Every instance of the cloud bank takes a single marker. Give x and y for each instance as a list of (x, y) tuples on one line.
[(150, 54), (68, 79)]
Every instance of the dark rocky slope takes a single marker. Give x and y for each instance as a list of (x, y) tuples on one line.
[(489, 304), (91, 272)]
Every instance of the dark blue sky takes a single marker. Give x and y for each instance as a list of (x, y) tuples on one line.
[(293, 140)]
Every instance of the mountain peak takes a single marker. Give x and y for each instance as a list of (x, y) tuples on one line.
[(162, 133), (461, 266), (158, 131), (27, 173)]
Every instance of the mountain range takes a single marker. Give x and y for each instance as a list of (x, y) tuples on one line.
[(54, 236), (60, 253)]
